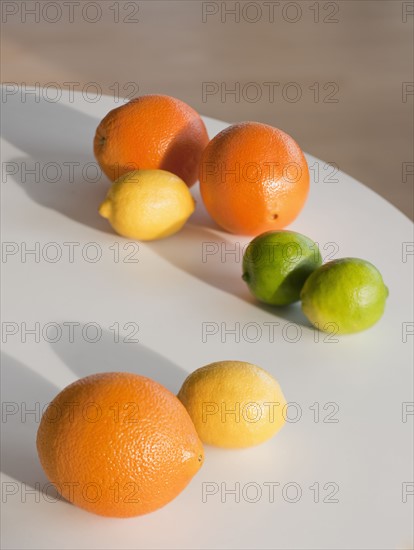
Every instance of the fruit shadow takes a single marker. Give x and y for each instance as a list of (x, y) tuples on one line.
[(55, 172), (75, 199), (109, 355), (24, 394), (210, 257)]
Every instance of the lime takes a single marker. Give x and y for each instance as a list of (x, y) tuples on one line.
[(345, 295), (233, 404), (147, 204), (276, 264)]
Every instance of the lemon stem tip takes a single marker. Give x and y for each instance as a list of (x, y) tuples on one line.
[(105, 209)]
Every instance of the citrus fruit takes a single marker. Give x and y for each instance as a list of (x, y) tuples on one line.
[(147, 204), (151, 131), (118, 444), (253, 178), (277, 263), (233, 404), (344, 296)]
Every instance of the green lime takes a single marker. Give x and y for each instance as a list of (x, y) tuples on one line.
[(344, 296), (277, 263)]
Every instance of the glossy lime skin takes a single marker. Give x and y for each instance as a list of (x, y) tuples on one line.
[(276, 264), (346, 295)]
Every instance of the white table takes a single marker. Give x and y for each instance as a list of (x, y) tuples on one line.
[(178, 299)]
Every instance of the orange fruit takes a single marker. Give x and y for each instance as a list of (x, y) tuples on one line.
[(118, 444), (151, 132), (253, 178)]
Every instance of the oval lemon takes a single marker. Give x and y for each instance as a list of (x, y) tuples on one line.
[(233, 404), (148, 204)]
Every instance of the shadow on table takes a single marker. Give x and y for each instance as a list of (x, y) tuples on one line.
[(211, 258), (25, 393), (76, 198), (107, 355), (59, 171)]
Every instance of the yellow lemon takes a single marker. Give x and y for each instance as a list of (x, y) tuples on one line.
[(147, 204), (233, 404)]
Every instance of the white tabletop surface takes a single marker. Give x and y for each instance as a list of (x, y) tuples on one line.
[(350, 434)]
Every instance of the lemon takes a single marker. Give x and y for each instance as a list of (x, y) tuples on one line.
[(277, 263), (344, 296), (233, 404), (147, 204)]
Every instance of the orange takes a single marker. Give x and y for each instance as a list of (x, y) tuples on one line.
[(151, 132), (253, 178), (118, 444)]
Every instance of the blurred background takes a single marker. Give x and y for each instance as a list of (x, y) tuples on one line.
[(337, 76)]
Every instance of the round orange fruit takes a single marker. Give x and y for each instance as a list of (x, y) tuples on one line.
[(118, 444), (253, 178), (151, 132)]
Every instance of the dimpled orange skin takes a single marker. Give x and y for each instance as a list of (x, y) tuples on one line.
[(135, 457), (150, 132), (253, 178)]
